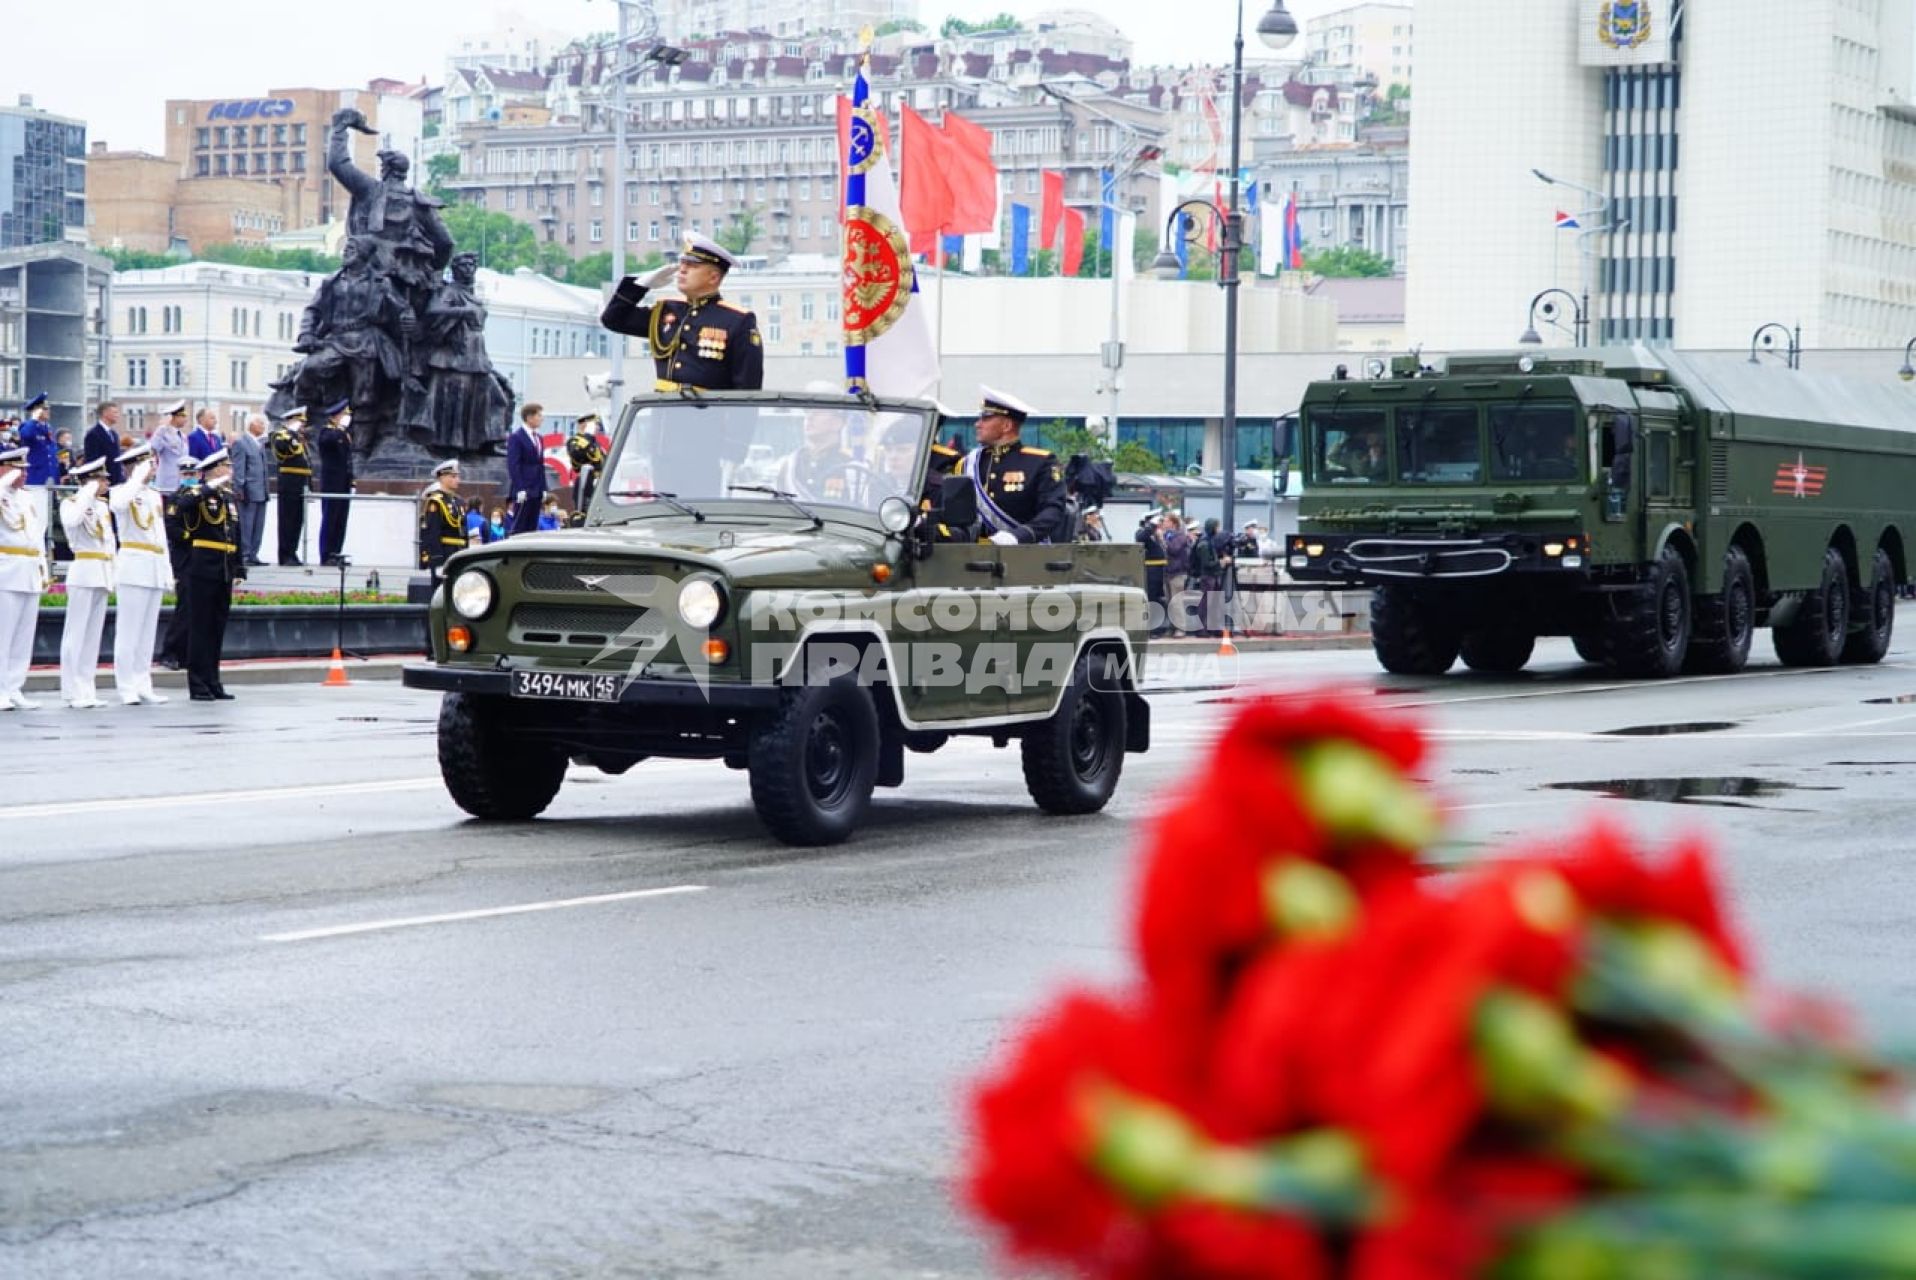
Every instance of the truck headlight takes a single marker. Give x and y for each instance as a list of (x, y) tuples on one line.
[(473, 594), (700, 603)]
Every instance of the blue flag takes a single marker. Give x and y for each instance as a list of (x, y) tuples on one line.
[(1107, 210), (1183, 245), (1020, 239), (954, 247)]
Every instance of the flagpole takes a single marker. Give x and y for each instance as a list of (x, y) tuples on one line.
[(938, 390)]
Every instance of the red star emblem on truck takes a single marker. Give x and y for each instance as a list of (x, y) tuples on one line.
[(1799, 480)]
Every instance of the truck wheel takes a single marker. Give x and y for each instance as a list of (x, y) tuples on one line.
[(489, 772), (1725, 623), (1592, 648), (1072, 761), (1871, 640), (1410, 638), (1652, 636), (1815, 636), (1497, 652), (814, 762)]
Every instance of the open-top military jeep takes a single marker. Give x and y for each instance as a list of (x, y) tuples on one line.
[(760, 581)]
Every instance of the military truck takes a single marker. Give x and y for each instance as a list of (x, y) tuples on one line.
[(769, 580), (1654, 506)]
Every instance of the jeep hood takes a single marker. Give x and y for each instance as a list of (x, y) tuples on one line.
[(746, 552)]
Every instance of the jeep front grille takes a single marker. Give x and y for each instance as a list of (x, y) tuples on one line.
[(580, 626), (563, 576)]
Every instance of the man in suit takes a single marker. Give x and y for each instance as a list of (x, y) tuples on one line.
[(169, 446), (103, 441), (204, 439), (526, 468), (249, 486), (335, 477), (702, 341)]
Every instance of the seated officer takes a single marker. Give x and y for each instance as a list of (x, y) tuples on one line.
[(823, 468), (1020, 489), (703, 341)]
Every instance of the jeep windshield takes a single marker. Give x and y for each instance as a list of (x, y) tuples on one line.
[(827, 454)]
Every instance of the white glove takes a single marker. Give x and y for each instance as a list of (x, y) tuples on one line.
[(143, 471), (663, 276), (220, 483), (1005, 539), (519, 496), (10, 479), (89, 491)]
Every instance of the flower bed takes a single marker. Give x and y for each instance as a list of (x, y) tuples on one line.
[(244, 599)]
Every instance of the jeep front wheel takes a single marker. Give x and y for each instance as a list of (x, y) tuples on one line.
[(814, 762), (1072, 760), (488, 771)]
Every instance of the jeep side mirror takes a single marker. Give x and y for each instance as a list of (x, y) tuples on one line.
[(957, 501)]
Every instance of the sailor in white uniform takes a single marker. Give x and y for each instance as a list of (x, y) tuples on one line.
[(89, 525), (143, 574), (23, 576)]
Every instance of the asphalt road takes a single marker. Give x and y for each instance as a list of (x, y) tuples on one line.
[(261, 1013)]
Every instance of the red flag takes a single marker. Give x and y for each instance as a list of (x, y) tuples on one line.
[(1073, 241), (845, 142), (1052, 212), (924, 187), (973, 177)]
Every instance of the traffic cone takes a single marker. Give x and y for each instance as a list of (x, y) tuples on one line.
[(1225, 649), (336, 674)]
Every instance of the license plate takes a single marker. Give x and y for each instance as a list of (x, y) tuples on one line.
[(563, 684)]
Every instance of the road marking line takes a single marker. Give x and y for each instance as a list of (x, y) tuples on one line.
[(483, 913), (65, 808)]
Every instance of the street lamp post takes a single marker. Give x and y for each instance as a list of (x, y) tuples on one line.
[(1604, 227), (1579, 316), (1792, 353), (1276, 29)]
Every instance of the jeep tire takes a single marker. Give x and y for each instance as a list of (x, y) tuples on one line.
[(1498, 652), (1816, 635), (814, 761), (1072, 760), (489, 771), (1410, 637)]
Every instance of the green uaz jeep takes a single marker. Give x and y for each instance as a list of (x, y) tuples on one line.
[(766, 579)]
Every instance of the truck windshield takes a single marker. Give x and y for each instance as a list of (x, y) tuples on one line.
[(1535, 442), (1438, 444), (825, 454), (1349, 446)]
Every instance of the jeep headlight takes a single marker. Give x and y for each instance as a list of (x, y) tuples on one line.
[(473, 594), (700, 603)]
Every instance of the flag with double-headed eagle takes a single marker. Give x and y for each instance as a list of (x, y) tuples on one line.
[(889, 348)]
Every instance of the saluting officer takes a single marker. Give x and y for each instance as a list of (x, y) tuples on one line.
[(335, 477), (89, 526), (588, 462), (173, 645), (288, 443), (1020, 489), (441, 530), (23, 576), (141, 574), (210, 519), (702, 341)]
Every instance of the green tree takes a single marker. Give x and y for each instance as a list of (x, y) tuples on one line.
[(138, 259), (1393, 107), (431, 130), (502, 242), (1066, 441), (1144, 251), (1347, 260), (253, 255), (551, 259), (439, 170), (591, 271), (743, 231), (956, 26), (897, 25)]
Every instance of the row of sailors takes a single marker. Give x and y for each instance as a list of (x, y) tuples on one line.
[(133, 564)]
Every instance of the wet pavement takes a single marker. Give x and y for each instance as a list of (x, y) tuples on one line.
[(269, 1004)]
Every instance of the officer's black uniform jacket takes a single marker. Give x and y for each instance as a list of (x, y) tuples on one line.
[(209, 523), (289, 453), (711, 344), (441, 530), (1028, 485)]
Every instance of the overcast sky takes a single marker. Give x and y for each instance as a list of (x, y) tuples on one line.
[(113, 63)]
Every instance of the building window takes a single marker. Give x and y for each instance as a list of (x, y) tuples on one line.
[(806, 306), (512, 197), (598, 195), (652, 231), (172, 371), (136, 371), (299, 160), (200, 138), (597, 231), (219, 166), (804, 228), (172, 320), (239, 372)]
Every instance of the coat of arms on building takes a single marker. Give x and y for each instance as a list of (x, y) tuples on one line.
[(1624, 24)]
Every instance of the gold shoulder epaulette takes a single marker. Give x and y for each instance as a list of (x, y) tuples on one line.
[(729, 305), (1042, 453)]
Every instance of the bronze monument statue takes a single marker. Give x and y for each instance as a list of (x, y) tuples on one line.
[(389, 332)]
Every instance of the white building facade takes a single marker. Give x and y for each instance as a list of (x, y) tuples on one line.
[(1748, 164), (1372, 39)]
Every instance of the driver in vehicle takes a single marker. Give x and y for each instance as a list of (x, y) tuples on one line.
[(1362, 454), (823, 469)]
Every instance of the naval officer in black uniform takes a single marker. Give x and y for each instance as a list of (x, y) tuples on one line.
[(442, 528), (1020, 489), (209, 519), (702, 341)]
